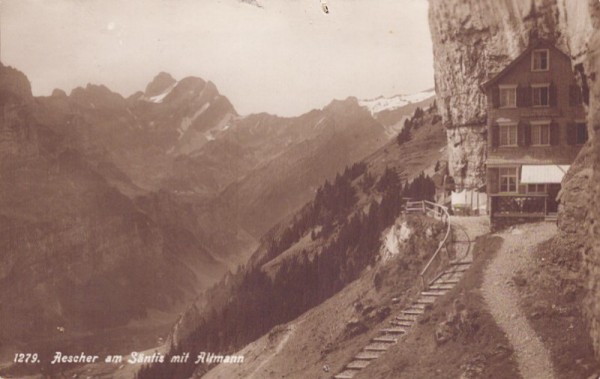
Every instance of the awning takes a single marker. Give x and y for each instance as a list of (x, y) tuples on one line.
[(540, 174)]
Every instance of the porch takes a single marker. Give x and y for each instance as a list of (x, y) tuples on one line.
[(521, 206)]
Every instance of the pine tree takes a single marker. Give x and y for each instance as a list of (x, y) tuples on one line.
[(404, 136)]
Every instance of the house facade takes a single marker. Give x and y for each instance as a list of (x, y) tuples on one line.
[(536, 127)]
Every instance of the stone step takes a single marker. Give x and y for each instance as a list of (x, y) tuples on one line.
[(346, 374), (394, 330), (407, 317), (385, 339), (450, 275), (377, 346), (441, 286), (461, 263), (367, 356), (454, 272), (434, 293), (357, 365), (447, 281), (403, 323), (457, 269), (412, 311), (426, 300), (418, 306)]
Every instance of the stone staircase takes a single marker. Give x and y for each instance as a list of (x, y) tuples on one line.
[(402, 323)]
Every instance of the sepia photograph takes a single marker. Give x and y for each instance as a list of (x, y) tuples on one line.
[(299, 189)]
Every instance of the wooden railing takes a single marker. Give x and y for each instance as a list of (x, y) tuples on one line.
[(440, 258)]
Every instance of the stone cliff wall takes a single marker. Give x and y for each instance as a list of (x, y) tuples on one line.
[(472, 39), (590, 59), (467, 146)]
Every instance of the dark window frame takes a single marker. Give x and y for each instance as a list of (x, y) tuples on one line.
[(536, 133), (536, 87), (534, 61), (506, 182), (511, 130)]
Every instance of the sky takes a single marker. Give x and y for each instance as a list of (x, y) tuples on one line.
[(285, 57)]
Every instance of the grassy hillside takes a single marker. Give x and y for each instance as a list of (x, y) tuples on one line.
[(333, 331), (315, 253)]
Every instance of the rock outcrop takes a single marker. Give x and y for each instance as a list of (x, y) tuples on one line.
[(472, 39), (159, 84), (591, 67)]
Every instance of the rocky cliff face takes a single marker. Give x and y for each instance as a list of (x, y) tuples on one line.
[(472, 40), (591, 67), (475, 38)]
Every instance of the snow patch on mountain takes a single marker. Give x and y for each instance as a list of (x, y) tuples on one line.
[(187, 121), (319, 123), (159, 98), (381, 103)]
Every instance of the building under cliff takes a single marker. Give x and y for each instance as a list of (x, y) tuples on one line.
[(474, 37), (537, 125)]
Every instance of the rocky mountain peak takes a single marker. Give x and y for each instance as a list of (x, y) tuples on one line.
[(159, 84), (59, 93), (14, 86), (97, 96), (342, 105)]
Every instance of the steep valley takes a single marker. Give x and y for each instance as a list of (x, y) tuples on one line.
[(471, 40), (315, 253), (117, 212)]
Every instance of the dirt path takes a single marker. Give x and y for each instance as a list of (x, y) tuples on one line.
[(256, 373), (498, 290)]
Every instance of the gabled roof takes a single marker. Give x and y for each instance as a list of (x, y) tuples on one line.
[(534, 44)]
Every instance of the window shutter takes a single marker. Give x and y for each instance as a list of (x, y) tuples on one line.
[(496, 97), (552, 94), (521, 140), (494, 174), (527, 133), (520, 96), (495, 135), (574, 95), (554, 133), (571, 133), (527, 96)]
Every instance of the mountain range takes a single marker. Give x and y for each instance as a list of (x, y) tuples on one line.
[(112, 207)]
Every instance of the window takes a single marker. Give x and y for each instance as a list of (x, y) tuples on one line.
[(541, 95), (536, 188), (508, 179), (540, 60), (508, 96), (581, 134), (540, 133), (508, 135)]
